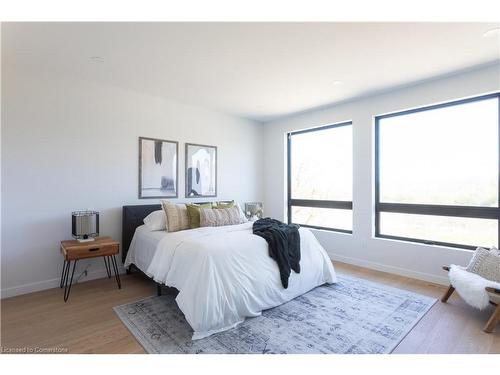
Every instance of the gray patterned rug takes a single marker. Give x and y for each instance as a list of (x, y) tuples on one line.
[(352, 316)]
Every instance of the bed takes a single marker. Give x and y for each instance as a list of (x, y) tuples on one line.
[(223, 274)]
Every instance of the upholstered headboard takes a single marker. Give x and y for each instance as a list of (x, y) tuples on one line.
[(133, 217)]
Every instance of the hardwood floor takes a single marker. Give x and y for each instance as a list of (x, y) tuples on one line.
[(87, 323)]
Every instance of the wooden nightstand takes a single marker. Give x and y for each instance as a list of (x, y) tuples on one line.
[(73, 250)]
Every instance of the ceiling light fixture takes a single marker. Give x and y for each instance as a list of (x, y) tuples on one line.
[(337, 83), (495, 32), (97, 59)]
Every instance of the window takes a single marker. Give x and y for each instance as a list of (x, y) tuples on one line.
[(437, 174), (320, 177)]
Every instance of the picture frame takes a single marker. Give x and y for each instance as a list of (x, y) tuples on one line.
[(200, 170), (158, 168)]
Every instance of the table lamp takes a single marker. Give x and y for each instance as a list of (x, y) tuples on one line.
[(85, 225), (254, 210)]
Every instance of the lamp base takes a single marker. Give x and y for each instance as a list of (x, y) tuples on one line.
[(90, 239)]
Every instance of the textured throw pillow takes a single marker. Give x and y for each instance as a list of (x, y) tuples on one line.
[(219, 217), (177, 216), (486, 263), (227, 204), (156, 220), (193, 211)]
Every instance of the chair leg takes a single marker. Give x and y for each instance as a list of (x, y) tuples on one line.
[(494, 319), (447, 294)]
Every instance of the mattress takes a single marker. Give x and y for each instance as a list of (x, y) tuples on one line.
[(143, 246)]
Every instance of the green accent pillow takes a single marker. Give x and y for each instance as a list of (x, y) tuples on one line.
[(224, 204), (193, 211)]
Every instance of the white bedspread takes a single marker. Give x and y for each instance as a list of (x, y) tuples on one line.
[(225, 274), (143, 246)]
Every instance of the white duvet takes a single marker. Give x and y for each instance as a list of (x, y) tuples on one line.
[(225, 274)]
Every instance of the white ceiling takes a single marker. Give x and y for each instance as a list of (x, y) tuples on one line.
[(255, 70)]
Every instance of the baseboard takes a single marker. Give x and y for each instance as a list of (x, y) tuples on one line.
[(92, 275), (52, 283), (442, 280)]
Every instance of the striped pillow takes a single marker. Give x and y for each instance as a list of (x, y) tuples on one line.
[(218, 217), (223, 204), (177, 216)]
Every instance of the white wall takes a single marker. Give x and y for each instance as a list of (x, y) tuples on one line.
[(70, 144), (416, 260)]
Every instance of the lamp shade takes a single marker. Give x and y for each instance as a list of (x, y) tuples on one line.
[(254, 210), (85, 224)]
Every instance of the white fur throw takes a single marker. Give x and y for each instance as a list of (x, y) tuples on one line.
[(471, 286)]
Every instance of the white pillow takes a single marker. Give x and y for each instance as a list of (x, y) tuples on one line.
[(243, 218), (156, 220)]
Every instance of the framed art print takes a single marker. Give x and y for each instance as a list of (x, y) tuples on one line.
[(158, 168), (201, 170)]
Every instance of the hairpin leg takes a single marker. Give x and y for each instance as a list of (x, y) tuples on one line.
[(64, 273), (115, 268), (67, 288), (108, 266)]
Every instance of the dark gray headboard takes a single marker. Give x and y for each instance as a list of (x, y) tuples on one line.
[(133, 217)]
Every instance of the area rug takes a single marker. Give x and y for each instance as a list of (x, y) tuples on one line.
[(351, 316)]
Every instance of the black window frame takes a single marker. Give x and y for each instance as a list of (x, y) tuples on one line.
[(315, 203), (480, 212)]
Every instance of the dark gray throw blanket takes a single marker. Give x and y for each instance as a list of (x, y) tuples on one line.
[(284, 245)]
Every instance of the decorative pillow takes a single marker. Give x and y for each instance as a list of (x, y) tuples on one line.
[(177, 216), (219, 217), (243, 218), (486, 263), (229, 204), (156, 220), (193, 210), (222, 204)]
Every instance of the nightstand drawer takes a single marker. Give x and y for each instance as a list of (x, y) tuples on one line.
[(92, 250)]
